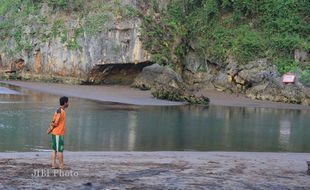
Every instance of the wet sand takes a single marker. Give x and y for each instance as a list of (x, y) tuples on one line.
[(115, 93), (156, 170), (128, 95), (239, 100)]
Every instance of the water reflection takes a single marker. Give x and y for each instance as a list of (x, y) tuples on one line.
[(96, 125), (132, 127), (285, 132)]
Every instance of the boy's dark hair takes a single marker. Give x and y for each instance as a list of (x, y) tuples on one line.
[(63, 100)]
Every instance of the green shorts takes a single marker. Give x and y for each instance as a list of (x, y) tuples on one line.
[(58, 143)]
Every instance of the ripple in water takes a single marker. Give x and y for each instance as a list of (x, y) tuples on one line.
[(3, 126)]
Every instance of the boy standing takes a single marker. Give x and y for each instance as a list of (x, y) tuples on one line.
[(58, 129)]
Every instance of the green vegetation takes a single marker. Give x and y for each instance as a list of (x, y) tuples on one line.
[(73, 44), (95, 23), (66, 5), (102, 12), (24, 21), (16, 23), (217, 29)]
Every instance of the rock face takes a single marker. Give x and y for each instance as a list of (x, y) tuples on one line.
[(156, 75), (117, 42), (260, 80), (122, 73), (248, 75), (165, 83), (276, 91)]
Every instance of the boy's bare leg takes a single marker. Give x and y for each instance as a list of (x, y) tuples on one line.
[(61, 160), (54, 159)]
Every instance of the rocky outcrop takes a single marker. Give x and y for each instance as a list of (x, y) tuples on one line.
[(260, 80), (275, 90), (155, 75), (165, 83), (175, 94), (199, 72), (253, 73), (29, 76)]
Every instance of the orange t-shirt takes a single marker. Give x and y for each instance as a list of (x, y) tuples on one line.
[(60, 120)]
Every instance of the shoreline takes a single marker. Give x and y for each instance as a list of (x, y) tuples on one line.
[(132, 96), (158, 170), (109, 93)]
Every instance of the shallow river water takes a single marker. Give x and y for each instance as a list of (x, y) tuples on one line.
[(104, 126)]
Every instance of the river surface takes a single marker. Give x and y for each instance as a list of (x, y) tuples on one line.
[(103, 126)]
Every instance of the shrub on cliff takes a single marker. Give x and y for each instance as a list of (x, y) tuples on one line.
[(217, 29)]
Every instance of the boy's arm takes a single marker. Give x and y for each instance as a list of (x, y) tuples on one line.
[(56, 119)]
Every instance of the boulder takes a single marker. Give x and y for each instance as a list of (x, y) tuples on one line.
[(275, 90), (175, 94), (157, 75), (238, 78), (252, 73), (199, 72), (260, 80), (223, 82), (198, 80), (194, 63), (165, 83)]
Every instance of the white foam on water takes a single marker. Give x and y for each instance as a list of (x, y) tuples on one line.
[(4, 90), (2, 126), (12, 102), (40, 150)]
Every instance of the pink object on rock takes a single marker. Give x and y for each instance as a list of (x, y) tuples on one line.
[(289, 78)]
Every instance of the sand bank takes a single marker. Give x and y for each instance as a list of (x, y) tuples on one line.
[(157, 170), (128, 95), (115, 93)]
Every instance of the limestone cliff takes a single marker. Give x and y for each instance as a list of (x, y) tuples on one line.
[(51, 40)]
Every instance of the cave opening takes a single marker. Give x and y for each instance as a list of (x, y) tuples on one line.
[(115, 73)]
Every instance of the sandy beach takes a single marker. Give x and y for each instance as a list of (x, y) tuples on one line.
[(156, 170), (128, 95)]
